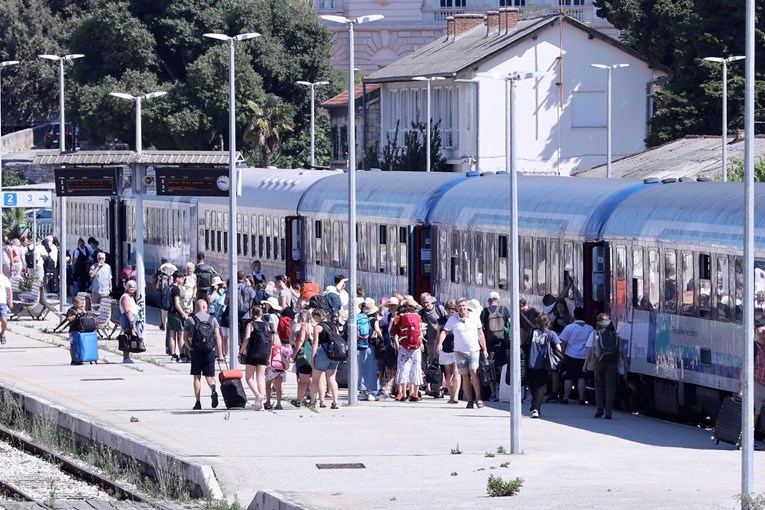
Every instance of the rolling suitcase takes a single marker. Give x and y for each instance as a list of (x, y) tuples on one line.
[(504, 392), (85, 347), (231, 388), (728, 425)]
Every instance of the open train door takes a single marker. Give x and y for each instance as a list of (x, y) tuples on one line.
[(295, 269), (422, 265), (596, 280)]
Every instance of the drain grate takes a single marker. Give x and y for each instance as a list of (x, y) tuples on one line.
[(103, 379), (351, 465)]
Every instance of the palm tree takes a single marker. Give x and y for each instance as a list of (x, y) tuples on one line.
[(267, 123), (13, 218)]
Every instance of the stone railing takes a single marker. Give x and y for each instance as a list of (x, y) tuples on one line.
[(584, 13), (17, 141)]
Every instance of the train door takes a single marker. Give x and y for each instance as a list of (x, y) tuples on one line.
[(295, 269), (596, 279), (422, 261)]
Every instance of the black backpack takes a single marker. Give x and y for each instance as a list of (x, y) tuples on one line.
[(260, 341), (29, 257), (204, 332), (204, 277), (337, 349), (245, 300), (167, 303), (321, 302), (608, 345)]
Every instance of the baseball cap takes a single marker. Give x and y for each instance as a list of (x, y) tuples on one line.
[(494, 296)]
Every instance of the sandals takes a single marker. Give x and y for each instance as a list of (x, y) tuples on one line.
[(322, 404), (2, 339), (295, 402), (453, 402), (334, 406), (479, 404)]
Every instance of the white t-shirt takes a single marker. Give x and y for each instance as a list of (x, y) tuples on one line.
[(54, 254), (5, 284), (465, 332), (40, 253), (576, 335), (102, 280)]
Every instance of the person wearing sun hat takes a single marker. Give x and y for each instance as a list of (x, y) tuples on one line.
[(368, 383), (387, 366), (216, 300)]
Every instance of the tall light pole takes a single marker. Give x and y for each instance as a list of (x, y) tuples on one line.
[(140, 268), (313, 86), (511, 161), (62, 148), (233, 298), (353, 369), (3, 65), (608, 69), (724, 62), (428, 79)]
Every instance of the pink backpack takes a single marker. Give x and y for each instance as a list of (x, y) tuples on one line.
[(279, 361)]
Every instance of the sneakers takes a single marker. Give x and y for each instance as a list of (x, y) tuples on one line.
[(267, 406), (599, 413), (582, 402), (469, 405), (197, 406), (493, 398), (535, 414), (127, 361), (278, 407), (2, 339), (75, 363), (214, 398), (295, 402), (564, 401)]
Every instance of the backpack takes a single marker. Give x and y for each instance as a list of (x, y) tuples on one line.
[(278, 361), (202, 339), (167, 303), (163, 279), (495, 326), (409, 327), (29, 257), (608, 345), (321, 302), (363, 329), (283, 329), (245, 300), (308, 290), (336, 348), (204, 277), (259, 346)]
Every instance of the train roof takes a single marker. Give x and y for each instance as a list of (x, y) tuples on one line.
[(546, 204), (277, 189), (382, 196), (708, 214)]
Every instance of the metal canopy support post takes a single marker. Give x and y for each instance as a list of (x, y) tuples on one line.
[(233, 297), (353, 366), (62, 202), (138, 172)]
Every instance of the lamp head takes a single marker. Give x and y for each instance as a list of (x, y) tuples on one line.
[(718, 60), (220, 37), (600, 66), (50, 57), (152, 95), (248, 35), (368, 18), (305, 83), (322, 83), (122, 95), (73, 56), (736, 57), (9, 63), (335, 19)]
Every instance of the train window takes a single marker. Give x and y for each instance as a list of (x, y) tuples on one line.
[(739, 282), (527, 264), (239, 244), (261, 239), (442, 252), (704, 294), (686, 282), (722, 294), (639, 299), (344, 244), (246, 245), (245, 232), (541, 266), (253, 224), (467, 254), (478, 258), (297, 235), (218, 245), (597, 276), (373, 243), (326, 235), (225, 241), (392, 249), (653, 278), (317, 241), (503, 260), (554, 267), (403, 253), (621, 276), (383, 235), (268, 247), (383, 248), (283, 241), (276, 235), (361, 245), (491, 257), (335, 244), (455, 257), (670, 281)]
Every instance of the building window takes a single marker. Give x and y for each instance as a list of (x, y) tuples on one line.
[(335, 140), (453, 3), (408, 106), (515, 3)]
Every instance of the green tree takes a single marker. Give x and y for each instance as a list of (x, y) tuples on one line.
[(736, 171), (269, 121)]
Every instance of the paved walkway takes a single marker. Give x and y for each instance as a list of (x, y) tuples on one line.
[(570, 460)]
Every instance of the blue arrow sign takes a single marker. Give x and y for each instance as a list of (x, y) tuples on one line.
[(29, 199)]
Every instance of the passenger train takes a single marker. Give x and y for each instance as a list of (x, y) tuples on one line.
[(663, 258)]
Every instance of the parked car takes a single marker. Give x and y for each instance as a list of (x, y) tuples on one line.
[(114, 144), (72, 136)]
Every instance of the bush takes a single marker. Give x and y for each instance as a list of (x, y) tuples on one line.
[(496, 487)]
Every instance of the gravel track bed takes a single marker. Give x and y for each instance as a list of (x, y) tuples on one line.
[(42, 479)]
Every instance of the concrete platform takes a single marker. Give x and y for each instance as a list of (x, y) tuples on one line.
[(570, 459)]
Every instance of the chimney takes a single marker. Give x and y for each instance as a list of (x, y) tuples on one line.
[(492, 22), (450, 28), (464, 22), (508, 19)]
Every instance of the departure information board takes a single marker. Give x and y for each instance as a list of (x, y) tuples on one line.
[(90, 181), (199, 182)]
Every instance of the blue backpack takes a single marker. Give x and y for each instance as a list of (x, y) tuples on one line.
[(363, 329)]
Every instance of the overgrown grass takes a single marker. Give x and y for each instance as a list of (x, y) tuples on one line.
[(753, 501), (456, 451), (496, 487)]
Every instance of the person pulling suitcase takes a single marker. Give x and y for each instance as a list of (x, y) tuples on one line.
[(202, 336)]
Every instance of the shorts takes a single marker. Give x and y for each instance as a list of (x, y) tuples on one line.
[(272, 374), (203, 363), (3, 311), (224, 332), (574, 368), (446, 358), (255, 362), (467, 361), (304, 369), (321, 361), (174, 321)]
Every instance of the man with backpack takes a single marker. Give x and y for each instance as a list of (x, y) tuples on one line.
[(201, 335), (247, 299), (205, 273), (494, 319), (604, 348), (431, 314), (161, 280)]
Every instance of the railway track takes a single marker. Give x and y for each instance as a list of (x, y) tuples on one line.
[(81, 473)]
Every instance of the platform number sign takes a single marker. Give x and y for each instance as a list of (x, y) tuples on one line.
[(27, 199)]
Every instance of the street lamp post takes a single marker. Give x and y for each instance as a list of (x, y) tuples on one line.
[(7, 63), (353, 368), (140, 268), (608, 69), (427, 134), (724, 62), (62, 148), (313, 86), (233, 188), (511, 161)]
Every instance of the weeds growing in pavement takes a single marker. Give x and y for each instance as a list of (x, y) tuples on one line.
[(488, 454), (171, 483), (496, 487), (456, 451), (752, 501), (220, 504), (133, 419), (501, 450), (504, 465), (454, 473), (51, 499)]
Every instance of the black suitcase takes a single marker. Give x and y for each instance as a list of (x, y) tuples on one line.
[(728, 425), (233, 394)]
